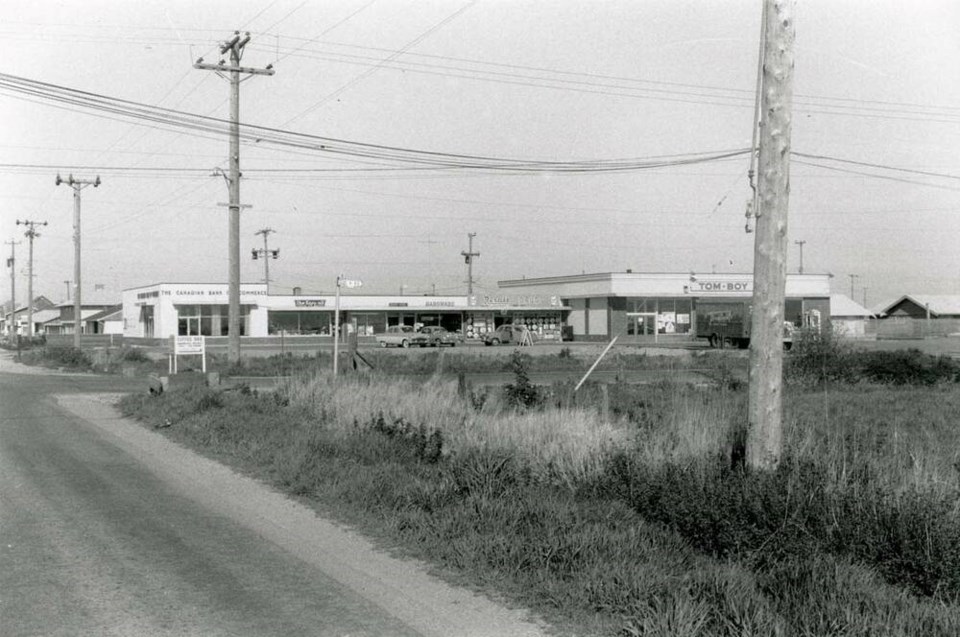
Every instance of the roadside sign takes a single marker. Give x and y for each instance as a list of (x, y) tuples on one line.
[(351, 283), (187, 345)]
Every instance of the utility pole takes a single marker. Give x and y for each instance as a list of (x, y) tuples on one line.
[(765, 408), (853, 277), (266, 253), (12, 264), (31, 234), (235, 46), (800, 243), (468, 257), (77, 185), (864, 297)]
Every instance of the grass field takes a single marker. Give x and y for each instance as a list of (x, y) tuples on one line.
[(640, 522)]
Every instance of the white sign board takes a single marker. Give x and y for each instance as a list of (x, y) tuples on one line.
[(187, 345), (351, 283)]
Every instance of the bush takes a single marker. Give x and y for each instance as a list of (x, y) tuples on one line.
[(820, 356), (63, 356), (522, 393), (908, 367)]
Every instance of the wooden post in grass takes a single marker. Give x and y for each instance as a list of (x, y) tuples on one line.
[(765, 430)]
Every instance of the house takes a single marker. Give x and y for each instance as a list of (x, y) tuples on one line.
[(108, 321), (920, 316), (65, 324), (16, 322), (849, 318)]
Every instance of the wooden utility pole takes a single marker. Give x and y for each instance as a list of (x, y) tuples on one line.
[(77, 185), (31, 234), (765, 433), (800, 243), (12, 264), (235, 46), (468, 257), (266, 253)]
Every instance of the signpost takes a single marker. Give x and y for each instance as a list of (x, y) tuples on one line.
[(188, 346), (347, 283)]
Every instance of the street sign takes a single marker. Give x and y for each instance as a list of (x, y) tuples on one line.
[(351, 283)]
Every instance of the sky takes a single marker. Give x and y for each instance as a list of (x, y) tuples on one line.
[(876, 85)]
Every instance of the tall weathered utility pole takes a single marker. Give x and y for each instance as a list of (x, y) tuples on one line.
[(266, 253), (235, 46), (12, 264), (468, 259), (77, 185), (765, 410), (31, 234), (800, 243), (853, 278)]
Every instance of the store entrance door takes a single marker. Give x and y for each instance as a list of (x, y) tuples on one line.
[(642, 324)]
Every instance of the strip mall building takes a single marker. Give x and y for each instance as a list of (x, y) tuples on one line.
[(641, 307)]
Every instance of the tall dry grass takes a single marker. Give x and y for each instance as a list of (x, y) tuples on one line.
[(564, 446)]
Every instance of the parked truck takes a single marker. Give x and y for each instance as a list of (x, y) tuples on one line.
[(727, 324)]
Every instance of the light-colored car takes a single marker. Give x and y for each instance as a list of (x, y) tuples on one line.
[(438, 336), (401, 336), (509, 335)]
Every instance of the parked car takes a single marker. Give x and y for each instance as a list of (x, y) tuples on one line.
[(401, 336), (438, 336), (509, 335)]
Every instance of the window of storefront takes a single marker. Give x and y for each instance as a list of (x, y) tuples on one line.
[(209, 320), (300, 323), (665, 316), (369, 323)]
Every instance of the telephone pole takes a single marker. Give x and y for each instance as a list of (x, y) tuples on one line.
[(235, 46), (12, 264), (77, 185), (31, 234), (800, 243), (853, 278), (765, 408), (468, 257), (265, 253)]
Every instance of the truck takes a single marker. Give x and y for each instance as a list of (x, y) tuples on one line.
[(727, 324)]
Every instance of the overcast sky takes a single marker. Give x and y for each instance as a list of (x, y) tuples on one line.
[(877, 82)]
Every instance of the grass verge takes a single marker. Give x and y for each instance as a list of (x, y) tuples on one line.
[(633, 525)]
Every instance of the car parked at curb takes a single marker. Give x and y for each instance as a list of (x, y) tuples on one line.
[(509, 335), (401, 336), (439, 336)]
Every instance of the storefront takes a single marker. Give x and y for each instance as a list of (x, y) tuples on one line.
[(191, 309), (542, 314), (167, 309), (650, 307)]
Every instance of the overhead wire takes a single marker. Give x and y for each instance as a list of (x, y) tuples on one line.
[(261, 134)]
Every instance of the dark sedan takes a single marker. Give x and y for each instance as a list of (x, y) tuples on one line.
[(438, 336)]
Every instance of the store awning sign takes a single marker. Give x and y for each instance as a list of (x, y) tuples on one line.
[(310, 302)]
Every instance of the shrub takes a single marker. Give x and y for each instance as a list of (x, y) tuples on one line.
[(522, 393), (908, 367), (63, 356), (818, 357)]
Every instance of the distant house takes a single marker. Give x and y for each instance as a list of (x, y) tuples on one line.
[(849, 318), (920, 315), (108, 321), (16, 322), (65, 324)]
